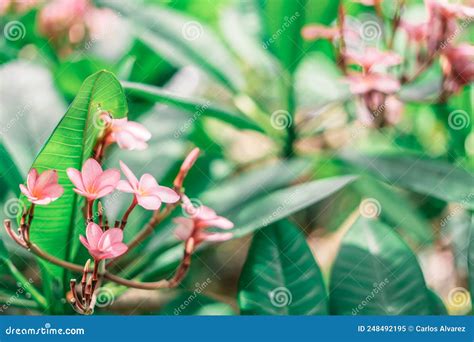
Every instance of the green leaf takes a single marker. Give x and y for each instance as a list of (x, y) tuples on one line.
[(181, 40), (284, 21), (280, 275), (260, 212), (470, 261), (195, 304), (395, 209), (437, 305), (376, 273), (56, 227), (10, 175), (252, 184), (196, 107), (26, 284), (430, 177), (282, 203)]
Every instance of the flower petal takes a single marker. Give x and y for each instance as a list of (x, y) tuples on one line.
[(124, 186), (147, 183), (76, 178), (46, 178), (94, 234), (220, 222), (215, 237), (108, 178), (91, 170), (31, 179), (138, 130), (109, 238), (130, 176), (184, 228), (167, 195), (149, 202)]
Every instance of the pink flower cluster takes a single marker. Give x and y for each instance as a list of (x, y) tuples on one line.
[(68, 23), (375, 87), (93, 183)]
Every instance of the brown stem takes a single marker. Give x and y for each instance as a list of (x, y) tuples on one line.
[(158, 217), (90, 206), (185, 263), (123, 222), (396, 23)]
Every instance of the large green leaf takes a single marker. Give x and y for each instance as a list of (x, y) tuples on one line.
[(192, 303), (395, 209), (280, 275), (262, 212), (430, 177), (282, 203), (376, 273), (470, 260), (197, 107), (181, 40), (283, 21), (10, 175), (56, 227)]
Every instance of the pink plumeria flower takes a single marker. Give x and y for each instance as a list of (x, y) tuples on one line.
[(458, 66), (415, 32), (93, 182), (148, 193), (185, 167), (200, 219), (373, 57), (365, 83), (103, 245), (42, 189), (128, 135)]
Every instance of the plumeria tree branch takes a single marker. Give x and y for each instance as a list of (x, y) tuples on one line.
[(104, 242)]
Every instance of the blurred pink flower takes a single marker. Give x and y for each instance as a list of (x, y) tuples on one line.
[(42, 189), (365, 83), (442, 22), (185, 167), (147, 192), (103, 245), (313, 32), (128, 135), (458, 66), (92, 182), (372, 56), (415, 32), (200, 219)]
